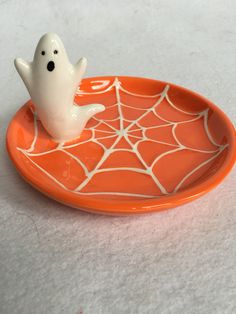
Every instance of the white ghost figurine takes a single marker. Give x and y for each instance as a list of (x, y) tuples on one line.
[(52, 81)]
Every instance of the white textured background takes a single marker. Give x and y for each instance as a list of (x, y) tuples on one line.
[(54, 259)]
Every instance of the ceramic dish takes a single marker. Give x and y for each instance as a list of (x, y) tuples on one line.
[(156, 146)]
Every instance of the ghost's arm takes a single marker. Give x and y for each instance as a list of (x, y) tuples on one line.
[(80, 68), (24, 69)]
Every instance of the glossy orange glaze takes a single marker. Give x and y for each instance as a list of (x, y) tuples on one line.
[(155, 146)]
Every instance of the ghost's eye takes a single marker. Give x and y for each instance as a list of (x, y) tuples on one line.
[(55, 52), (43, 53)]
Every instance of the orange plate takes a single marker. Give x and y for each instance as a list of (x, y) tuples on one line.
[(156, 146)]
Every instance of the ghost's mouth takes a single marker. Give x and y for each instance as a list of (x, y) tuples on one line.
[(50, 66)]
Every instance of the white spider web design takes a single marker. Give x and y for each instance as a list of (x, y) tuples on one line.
[(134, 133)]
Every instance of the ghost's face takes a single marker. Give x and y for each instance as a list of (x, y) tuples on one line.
[(50, 55)]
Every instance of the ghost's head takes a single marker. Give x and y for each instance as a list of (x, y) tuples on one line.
[(50, 55)]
